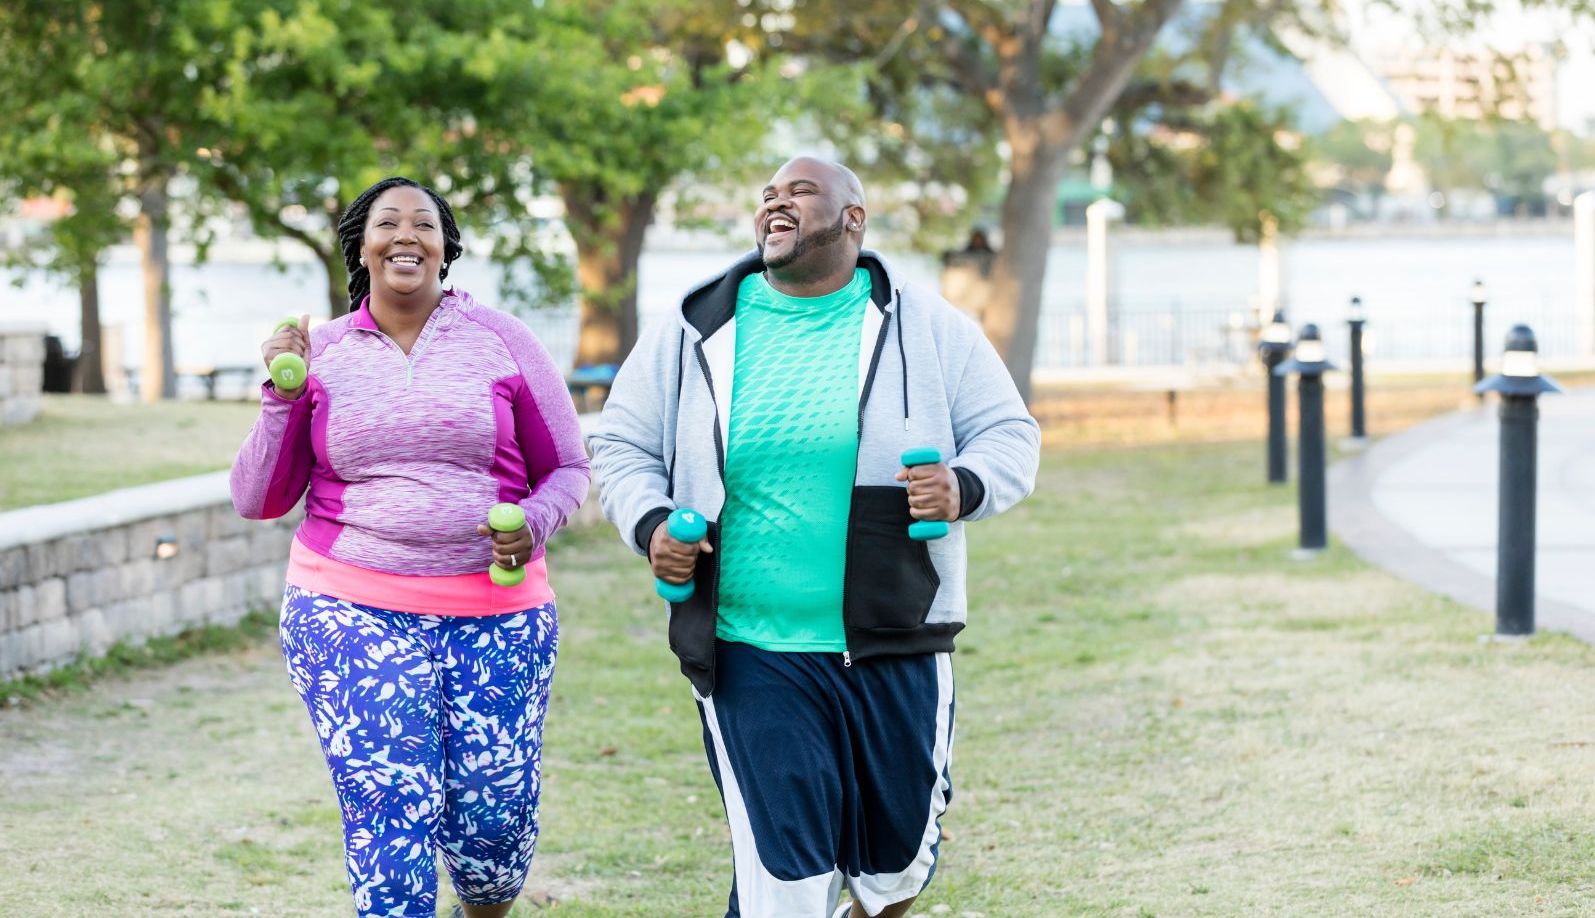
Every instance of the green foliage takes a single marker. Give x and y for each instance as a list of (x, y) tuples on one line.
[(1509, 159), (1227, 164), (1361, 151)]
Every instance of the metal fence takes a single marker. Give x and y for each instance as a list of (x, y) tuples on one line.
[(1205, 334)]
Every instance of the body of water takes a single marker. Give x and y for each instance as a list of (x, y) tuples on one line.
[(1184, 303)]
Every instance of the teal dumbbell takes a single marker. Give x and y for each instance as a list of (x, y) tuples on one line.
[(506, 518), (684, 525), (288, 371), (924, 530)]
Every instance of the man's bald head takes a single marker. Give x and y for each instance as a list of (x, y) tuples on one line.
[(843, 181)]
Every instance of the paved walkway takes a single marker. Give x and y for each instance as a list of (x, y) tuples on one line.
[(1422, 504)]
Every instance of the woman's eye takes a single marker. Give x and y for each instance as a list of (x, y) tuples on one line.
[(385, 223)]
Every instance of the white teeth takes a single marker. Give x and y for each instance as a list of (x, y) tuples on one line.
[(779, 224)]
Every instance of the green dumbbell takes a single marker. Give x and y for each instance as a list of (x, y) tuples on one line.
[(924, 530), (288, 371), (688, 526), (506, 518)]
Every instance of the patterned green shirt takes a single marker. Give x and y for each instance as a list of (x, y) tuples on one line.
[(790, 466)]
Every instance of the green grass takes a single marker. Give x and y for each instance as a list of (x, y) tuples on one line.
[(1158, 714), (124, 658), (82, 445)]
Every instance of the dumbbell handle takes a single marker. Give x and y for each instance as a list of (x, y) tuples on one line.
[(506, 517), (684, 525), (924, 530)]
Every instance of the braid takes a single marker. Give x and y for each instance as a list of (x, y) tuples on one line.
[(352, 232)]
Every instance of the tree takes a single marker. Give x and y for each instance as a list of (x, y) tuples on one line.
[(1361, 152), (617, 100), (134, 73), (58, 153), (1455, 155), (388, 91), (1042, 91)]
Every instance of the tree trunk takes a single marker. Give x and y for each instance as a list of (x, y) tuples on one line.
[(337, 275), (331, 258), (90, 375), (157, 380), (608, 246), (337, 285), (1010, 308)]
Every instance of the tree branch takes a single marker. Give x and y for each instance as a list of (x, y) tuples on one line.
[(970, 70), (1107, 15), (1112, 64)]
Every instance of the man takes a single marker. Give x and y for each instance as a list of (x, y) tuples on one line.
[(778, 404)]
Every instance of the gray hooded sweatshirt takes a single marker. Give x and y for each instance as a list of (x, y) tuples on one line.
[(927, 376)]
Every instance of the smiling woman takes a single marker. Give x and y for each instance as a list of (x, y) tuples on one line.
[(422, 410)]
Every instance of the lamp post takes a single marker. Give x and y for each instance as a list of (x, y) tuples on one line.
[(1359, 417), (1274, 347), (1310, 363), (1478, 335), (1520, 386)]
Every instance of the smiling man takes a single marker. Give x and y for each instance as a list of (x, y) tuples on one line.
[(818, 636)]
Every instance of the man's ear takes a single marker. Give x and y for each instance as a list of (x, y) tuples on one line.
[(855, 217)]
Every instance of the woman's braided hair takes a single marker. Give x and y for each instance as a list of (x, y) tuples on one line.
[(352, 231)]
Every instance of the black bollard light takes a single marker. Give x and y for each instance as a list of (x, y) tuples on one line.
[(1310, 363), (1478, 335), (1359, 415), (1274, 346), (1520, 386)]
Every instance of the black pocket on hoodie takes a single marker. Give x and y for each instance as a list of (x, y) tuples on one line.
[(692, 623), (890, 582)]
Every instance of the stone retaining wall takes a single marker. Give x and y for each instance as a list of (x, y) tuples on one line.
[(80, 576), (21, 373)]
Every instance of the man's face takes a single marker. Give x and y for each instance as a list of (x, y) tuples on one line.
[(802, 217)]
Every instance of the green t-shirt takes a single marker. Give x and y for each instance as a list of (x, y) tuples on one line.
[(790, 466)]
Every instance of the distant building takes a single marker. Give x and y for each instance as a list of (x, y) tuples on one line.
[(1476, 84)]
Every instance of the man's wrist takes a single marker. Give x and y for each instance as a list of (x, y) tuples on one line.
[(643, 535), (971, 491)]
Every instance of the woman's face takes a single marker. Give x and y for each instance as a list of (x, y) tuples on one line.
[(403, 244)]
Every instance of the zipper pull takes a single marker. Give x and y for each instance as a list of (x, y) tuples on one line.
[(847, 658)]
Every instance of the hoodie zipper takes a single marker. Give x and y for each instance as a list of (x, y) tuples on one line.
[(719, 446), (858, 448)]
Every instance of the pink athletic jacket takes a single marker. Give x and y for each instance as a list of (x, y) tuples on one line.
[(403, 457)]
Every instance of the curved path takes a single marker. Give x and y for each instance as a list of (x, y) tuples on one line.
[(1422, 504)]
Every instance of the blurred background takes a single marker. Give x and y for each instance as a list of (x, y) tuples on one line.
[(1107, 188)]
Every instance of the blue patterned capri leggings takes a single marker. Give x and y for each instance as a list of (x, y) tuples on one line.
[(433, 729)]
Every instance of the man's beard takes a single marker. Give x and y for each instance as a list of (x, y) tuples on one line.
[(806, 244)]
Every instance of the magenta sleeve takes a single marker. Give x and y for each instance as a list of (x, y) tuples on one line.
[(548, 433), (272, 469)]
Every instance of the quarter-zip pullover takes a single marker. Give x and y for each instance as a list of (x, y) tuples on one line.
[(399, 457)]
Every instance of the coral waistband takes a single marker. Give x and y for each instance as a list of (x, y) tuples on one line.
[(457, 594)]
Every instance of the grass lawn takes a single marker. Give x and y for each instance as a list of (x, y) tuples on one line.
[(1158, 714), (82, 445)]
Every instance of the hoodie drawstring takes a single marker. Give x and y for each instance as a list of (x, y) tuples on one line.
[(902, 355)]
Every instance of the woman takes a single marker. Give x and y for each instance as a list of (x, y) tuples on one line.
[(426, 682)]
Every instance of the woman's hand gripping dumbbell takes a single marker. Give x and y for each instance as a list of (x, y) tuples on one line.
[(287, 356), (933, 496), (673, 553), (512, 544)]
